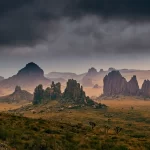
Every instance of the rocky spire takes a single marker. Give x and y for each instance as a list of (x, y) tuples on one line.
[(145, 90), (114, 84), (17, 89), (133, 87)]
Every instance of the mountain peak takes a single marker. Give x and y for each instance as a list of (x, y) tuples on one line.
[(31, 69), (92, 72)]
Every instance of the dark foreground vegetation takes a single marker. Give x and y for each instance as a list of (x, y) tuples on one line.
[(75, 129)]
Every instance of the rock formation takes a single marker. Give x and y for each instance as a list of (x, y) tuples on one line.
[(17, 95), (50, 93), (133, 87), (74, 93), (145, 90), (115, 84)]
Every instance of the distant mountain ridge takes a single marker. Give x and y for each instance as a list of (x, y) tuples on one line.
[(28, 78), (17, 96), (32, 75), (65, 75)]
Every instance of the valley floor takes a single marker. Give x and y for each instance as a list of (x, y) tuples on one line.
[(47, 127)]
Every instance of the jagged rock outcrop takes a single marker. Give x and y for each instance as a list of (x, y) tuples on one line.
[(74, 93), (133, 87), (17, 95), (114, 84), (28, 78), (145, 90)]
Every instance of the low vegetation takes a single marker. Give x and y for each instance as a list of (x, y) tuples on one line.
[(52, 126)]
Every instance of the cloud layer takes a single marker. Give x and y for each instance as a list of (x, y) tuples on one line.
[(28, 22)]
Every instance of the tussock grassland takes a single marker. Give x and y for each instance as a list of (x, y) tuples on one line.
[(11, 106), (47, 127)]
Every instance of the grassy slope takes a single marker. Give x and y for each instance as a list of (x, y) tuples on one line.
[(48, 128)]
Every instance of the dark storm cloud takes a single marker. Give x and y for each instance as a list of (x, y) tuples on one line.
[(26, 22), (133, 9)]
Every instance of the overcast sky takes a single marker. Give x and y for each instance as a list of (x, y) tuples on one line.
[(74, 35)]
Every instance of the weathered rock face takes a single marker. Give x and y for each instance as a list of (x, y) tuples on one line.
[(114, 84), (133, 87), (74, 93), (145, 90)]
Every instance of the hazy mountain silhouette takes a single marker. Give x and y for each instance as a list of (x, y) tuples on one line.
[(17, 96), (28, 78)]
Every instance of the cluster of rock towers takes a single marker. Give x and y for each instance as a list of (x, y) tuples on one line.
[(116, 84)]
